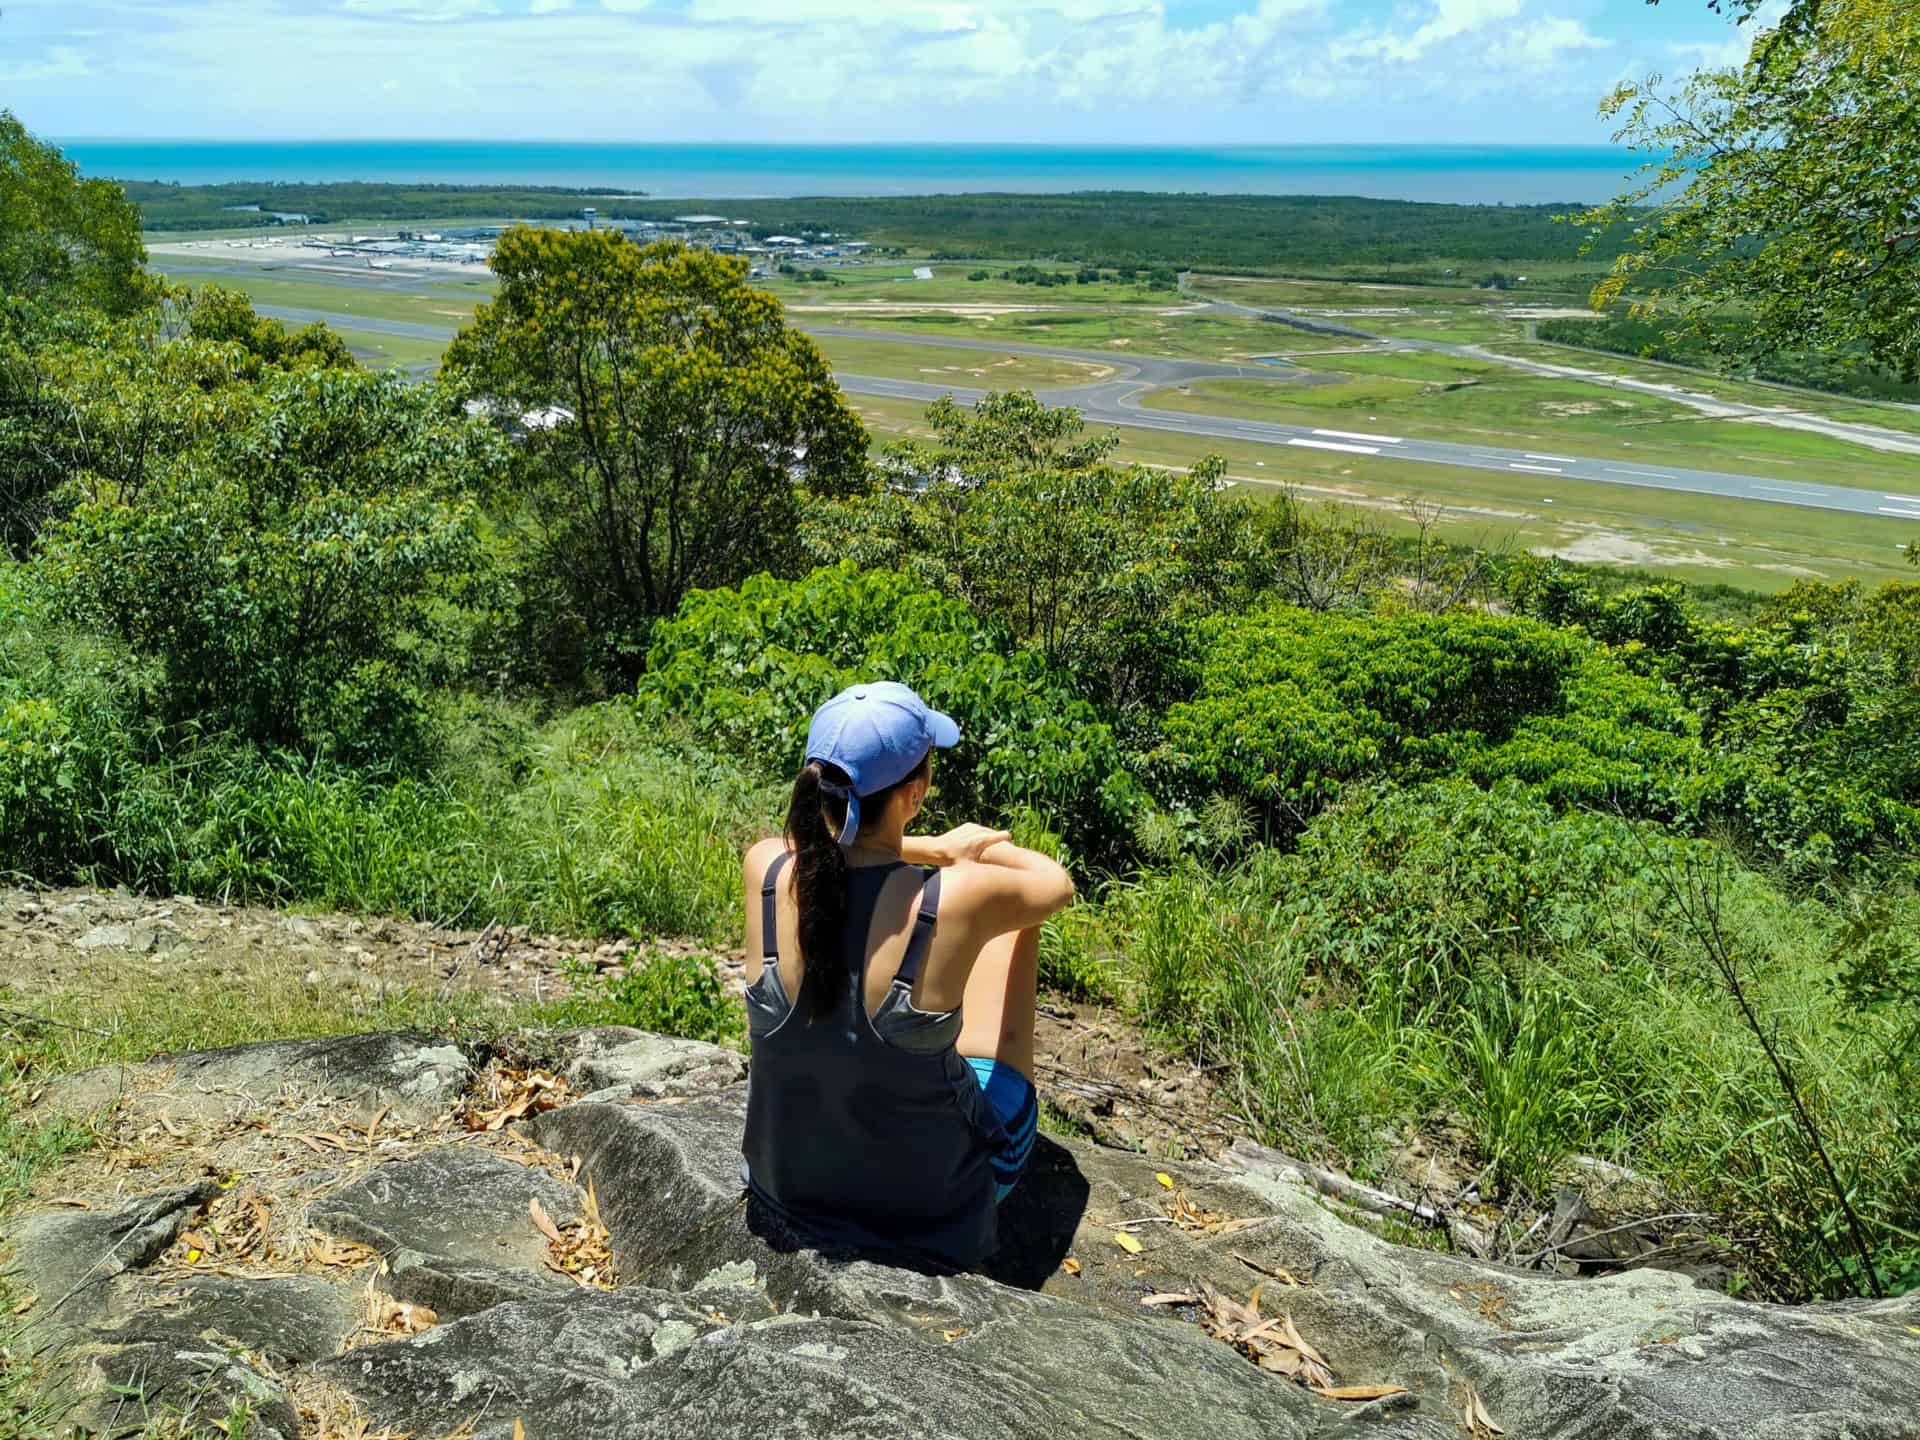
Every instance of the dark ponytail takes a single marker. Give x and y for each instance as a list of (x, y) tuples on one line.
[(815, 816), (819, 884)]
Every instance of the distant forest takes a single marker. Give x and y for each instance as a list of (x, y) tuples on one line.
[(1220, 232)]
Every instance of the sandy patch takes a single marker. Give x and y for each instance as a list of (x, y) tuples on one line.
[(892, 307), (1575, 407), (1549, 312), (1610, 547)]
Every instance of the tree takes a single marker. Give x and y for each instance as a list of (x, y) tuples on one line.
[(669, 421), (62, 238), (92, 407), (213, 313), (1780, 214), (1097, 566), (297, 577)]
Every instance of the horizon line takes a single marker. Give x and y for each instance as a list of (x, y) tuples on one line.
[(841, 144)]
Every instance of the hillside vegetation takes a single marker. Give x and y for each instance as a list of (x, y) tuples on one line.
[(1418, 848)]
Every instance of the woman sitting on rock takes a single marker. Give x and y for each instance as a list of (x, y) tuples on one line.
[(890, 1006)]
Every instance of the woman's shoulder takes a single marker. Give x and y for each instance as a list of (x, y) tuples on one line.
[(760, 855)]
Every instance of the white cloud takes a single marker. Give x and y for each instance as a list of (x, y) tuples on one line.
[(1542, 43), (434, 11), (1067, 70), (61, 62), (1733, 51)]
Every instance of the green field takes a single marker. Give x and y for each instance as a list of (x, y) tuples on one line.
[(1174, 330), (449, 304), (1417, 393), (1439, 397), (974, 369), (1692, 537)]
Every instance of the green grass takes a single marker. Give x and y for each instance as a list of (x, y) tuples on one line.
[(1178, 333), (1510, 409), (383, 352), (895, 284), (1699, 539), (449, 304), (1369, 989), (966, 368)]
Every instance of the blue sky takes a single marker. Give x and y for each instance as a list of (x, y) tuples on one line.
[(1180, 71)]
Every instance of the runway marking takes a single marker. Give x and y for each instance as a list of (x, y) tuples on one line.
[(1909, 514), (1910, 499), (1536, 469), (1361, 435), (1800, 490), (1330, 445), (1561, 459), (1639, 474)]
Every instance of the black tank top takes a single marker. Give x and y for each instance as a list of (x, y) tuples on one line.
[(874, 1138)]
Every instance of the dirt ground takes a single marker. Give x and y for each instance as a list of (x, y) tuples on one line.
[(1097, 1073)]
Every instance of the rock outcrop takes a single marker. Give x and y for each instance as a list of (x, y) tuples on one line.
[(387, 1228)]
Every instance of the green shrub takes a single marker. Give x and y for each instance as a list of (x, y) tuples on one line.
[(297, 579), (746, 668), (665, 993), (1292, 705)]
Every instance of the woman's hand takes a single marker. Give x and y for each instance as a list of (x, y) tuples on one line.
[(963, 842)]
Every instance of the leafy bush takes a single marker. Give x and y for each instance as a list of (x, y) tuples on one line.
[(665, 993), (1461, 963), (295, 578), (1812, 714), (1291, 705), (1098, 566), (745, 669)]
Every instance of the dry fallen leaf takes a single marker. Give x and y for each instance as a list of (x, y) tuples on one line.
[(1072, 1267), (1280, 1273), (397, 1316), (543, 1222), (323, 1251), (1171, 1298), (1358, 1392), (518, 1432), (1126, 1242), (26, 1304), (952, 1335), (514, 1094), (1478, 1420), (1274, 1345)]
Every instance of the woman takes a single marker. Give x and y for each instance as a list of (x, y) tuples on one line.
[(890, 1007)]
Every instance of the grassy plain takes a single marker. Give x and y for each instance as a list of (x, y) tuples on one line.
[(1178, 331), (1691, 537), (974, 369), (1440, 397)]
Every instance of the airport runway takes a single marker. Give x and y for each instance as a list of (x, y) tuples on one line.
[(1117, 401)]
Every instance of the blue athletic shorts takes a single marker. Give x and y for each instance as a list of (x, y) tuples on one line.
[(1012, 1097)]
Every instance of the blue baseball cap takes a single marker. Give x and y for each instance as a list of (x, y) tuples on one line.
[(877, 734)]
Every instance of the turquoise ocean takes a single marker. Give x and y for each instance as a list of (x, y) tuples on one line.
[(1480, 174)]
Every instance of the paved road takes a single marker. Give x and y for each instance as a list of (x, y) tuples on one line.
[(1117, 401)]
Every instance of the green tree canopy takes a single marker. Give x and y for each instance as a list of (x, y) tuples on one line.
[(297, 576), (669, 419), (62, 237), (1096, 565), (1780, 213)]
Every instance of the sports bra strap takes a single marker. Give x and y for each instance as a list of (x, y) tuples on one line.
[(769, 917), (923, 925)]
